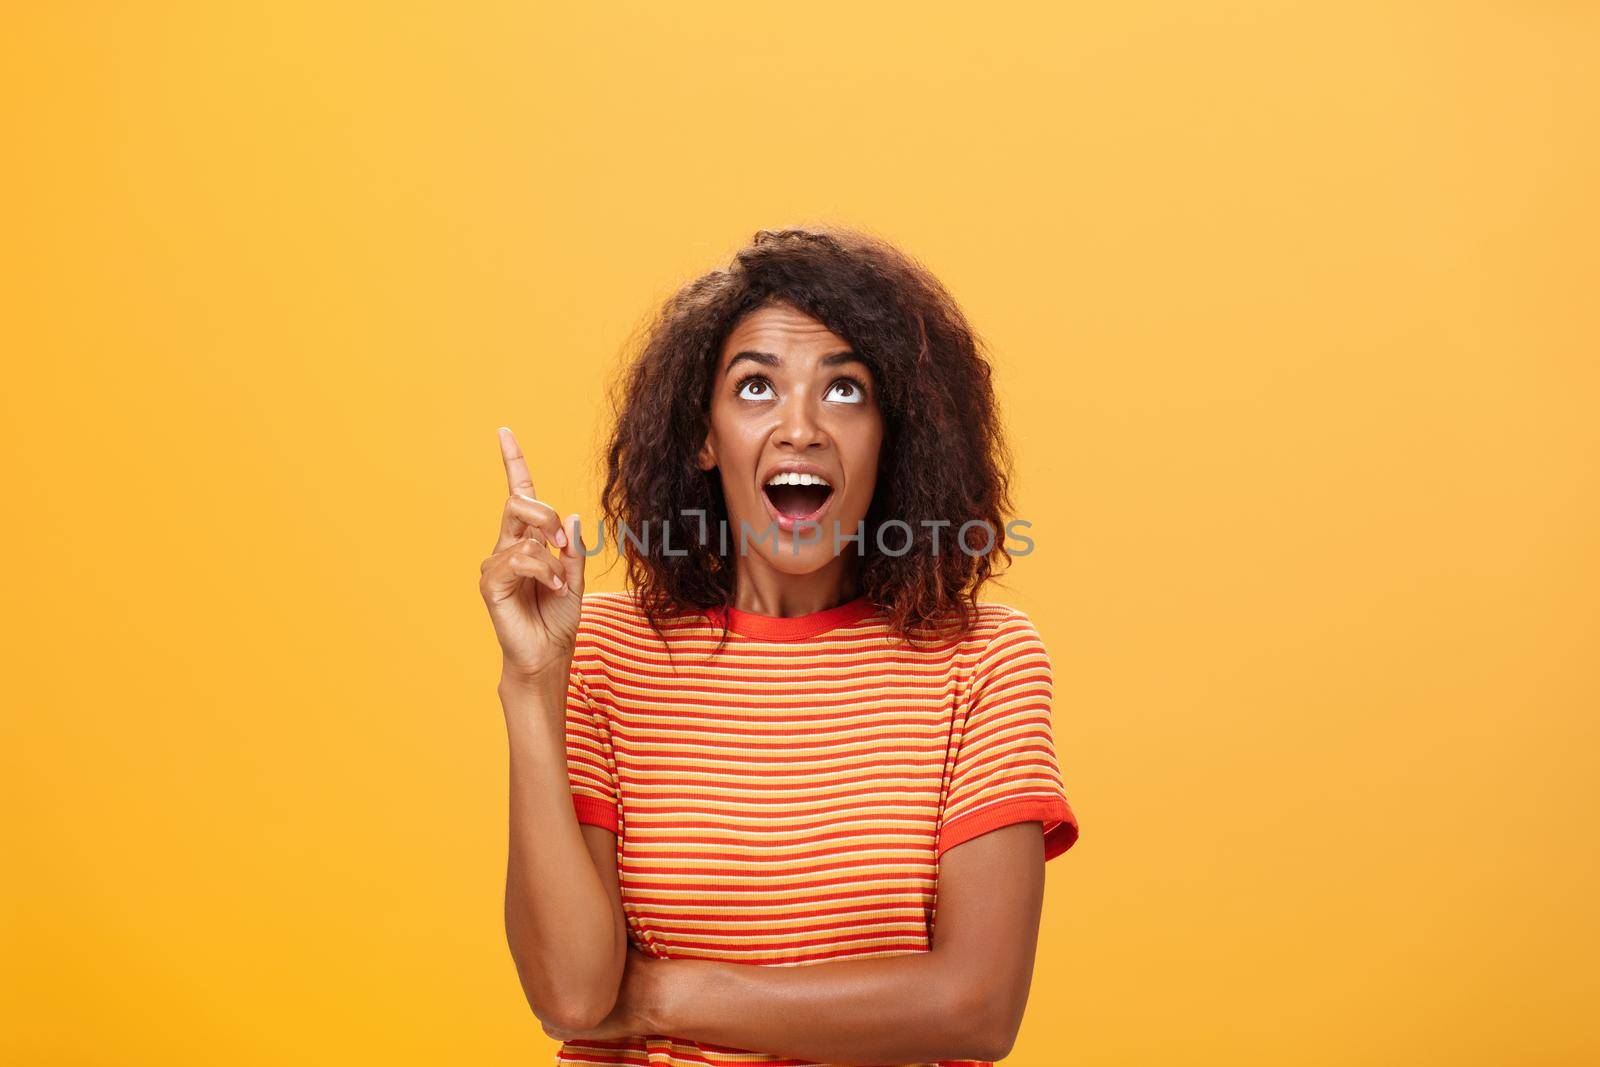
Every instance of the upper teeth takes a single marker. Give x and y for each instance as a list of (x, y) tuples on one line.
[(796, 479)]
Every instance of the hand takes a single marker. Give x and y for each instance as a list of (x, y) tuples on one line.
[(532, 596), (635, 1014)]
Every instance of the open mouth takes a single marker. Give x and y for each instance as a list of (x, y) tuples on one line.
[(796, 496)]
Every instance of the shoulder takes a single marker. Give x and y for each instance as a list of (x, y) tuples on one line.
[(610, 625), (619, 619), (601, 606), (603, 615), (997, 616), (1000, 622), (1003, 633)]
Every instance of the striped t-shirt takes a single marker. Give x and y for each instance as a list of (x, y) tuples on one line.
[(786, 801)]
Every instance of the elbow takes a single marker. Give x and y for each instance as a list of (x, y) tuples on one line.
[(995, 1041), (991, 1025), (569, 995), (999, 1048), (992, 1045), (575, 1013), (569, 1005)]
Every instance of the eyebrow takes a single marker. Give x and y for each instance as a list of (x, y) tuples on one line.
[(767, 359)]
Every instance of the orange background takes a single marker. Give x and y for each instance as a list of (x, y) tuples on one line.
[(1293, 308)]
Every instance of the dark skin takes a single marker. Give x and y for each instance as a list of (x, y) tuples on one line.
[(964, 998), (788, 389)]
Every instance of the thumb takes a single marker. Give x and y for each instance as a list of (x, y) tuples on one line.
[(572, 557)]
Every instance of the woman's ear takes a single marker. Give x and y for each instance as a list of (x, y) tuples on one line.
[(706, 458)]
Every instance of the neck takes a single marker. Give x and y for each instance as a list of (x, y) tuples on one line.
[(761, 589)]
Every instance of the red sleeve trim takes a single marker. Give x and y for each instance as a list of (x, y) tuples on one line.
[(1060, 824), (596, 813)]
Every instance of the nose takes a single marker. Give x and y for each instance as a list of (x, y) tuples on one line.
[(798, 427)]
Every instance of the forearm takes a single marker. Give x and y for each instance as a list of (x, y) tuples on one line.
[(914, 1008), (559, 917)]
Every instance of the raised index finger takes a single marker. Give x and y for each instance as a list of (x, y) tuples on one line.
[(517, 477)]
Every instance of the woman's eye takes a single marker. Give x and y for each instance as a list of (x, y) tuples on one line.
[(754, 389), (849, 392)]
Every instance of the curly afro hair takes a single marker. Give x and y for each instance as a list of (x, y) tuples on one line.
[(944, 455)]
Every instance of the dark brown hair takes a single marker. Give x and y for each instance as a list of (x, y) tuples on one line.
[(944, 456)]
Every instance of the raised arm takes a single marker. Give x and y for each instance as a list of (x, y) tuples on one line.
[(564, 922)]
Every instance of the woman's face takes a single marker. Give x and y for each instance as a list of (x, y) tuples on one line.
[(790, 397)]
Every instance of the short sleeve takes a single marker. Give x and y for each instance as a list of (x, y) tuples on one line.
[(1005, 768), (591, 767)]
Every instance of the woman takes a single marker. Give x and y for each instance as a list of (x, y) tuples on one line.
[(800, 742)]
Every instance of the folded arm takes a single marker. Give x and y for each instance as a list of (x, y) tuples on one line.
[(963, 999)]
